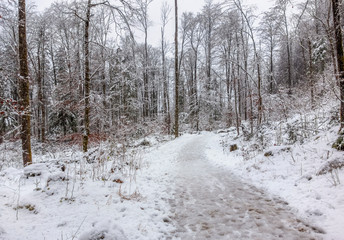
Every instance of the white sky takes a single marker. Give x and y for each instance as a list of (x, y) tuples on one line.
[(154, 13), (184, 5), (190, 6)]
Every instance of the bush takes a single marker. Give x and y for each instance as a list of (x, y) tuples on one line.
[(233, 148), (339, 143), (268, 154)]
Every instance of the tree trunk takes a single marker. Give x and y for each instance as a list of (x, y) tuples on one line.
[(260, 101), (195, 92), (340, 55), (329, 34), (53, 62), (236, 107), (24, 86), (166, 101), (271, 80), (288, 53), (229, 87), (39, 92), (86, 132), (251, 109), (42, 97), (289, 67), (164, 78), (40, 83), (176, 72), (166, 105), (146, 105), (244, 88), (310, 71)]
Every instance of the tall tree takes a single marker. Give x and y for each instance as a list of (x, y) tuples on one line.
[(176, 72), (269, 28), (87, 79), (340, 55), (40, 74), (24, 85), (257, 56), (142, 15), (211, 13), (282, 7), (195, 36), (165, 11)]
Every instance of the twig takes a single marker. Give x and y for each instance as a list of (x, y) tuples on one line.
[(79, 228)]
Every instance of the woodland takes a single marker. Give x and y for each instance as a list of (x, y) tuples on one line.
[(230, 127), (76, 73)]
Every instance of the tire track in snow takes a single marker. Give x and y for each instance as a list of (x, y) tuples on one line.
[(210, 203)]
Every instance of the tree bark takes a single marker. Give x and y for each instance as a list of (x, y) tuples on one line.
[(86, 132), (311, 79), (289, 81), (340, 55), (271, 80), (227, 50), (176, 72), (146, 105), (40, 83), (24, 86), (165, 10), (236, 107), (166, 104)]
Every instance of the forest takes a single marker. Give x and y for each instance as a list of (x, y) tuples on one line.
[(90, 77), (86, 98)]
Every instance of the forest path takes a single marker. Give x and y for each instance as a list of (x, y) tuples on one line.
[(211, 203)]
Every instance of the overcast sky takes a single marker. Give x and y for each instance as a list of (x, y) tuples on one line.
[(154, 13), (184, 5)]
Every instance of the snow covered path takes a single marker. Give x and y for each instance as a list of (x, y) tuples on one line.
[(211, 203), (185, 191)]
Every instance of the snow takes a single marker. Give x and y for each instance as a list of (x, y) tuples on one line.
[(104, 230), (212, 203), (192, 187), (291, 172), (42, 201)]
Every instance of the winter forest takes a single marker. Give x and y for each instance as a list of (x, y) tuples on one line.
[(229, 127)]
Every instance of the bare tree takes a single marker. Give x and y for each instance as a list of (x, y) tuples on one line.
[(227, 31), (142, 15), (165, 11), (269, 33), (38, 60), (195, 34), (282, 7), (24, 85), (87, 75), (340, 55), (257, 56), (176, 72), (87, 79)]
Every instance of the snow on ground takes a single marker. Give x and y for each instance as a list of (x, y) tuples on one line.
[(85, 201), (212, 203), (290, 171), (62, 196)]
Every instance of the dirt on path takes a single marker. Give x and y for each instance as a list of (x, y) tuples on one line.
[(210, 203)]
